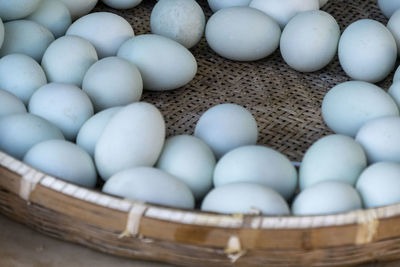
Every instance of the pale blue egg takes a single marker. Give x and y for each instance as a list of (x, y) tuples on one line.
[(10, 104), (17, 9)]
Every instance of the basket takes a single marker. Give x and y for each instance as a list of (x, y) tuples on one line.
[(286, 105)]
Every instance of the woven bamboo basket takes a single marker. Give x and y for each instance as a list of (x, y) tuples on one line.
[(286, 105)]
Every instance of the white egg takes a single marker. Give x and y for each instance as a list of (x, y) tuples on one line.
[(283, 10), (64, 160), (1, 33), (228, 34), (380, 139), (189, 159), (25, 37), (10, 104), (225, 127), (388, 7), (379, 184), (54, 15), (133, 137), (65, 105), (79, 8), (216, 5), (111, 82), (257, 164), (105, 30), (327, 198), (367, 51), (17, 9), (334, 157), (309, 41), (67, 59), (20, 132), (396, 77), (122, 4), (245, 198), (322, 3), (91, 130), (181, 20), (163, 63), (394, 27), (21, 75), (150, 185), (347, 106), (394, 92)]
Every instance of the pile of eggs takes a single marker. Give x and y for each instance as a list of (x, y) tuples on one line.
[(71, 84)]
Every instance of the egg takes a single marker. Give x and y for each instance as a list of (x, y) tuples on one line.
[(54, 15), (283, 10), (257, 164), (367, 51), (347, 106), (64, 160), (65, 105), (228, 34), (225, 127), (133, 137), (325, 198), (10, 104), (105, 30), (1, 33), (190, 160), (111, 82), (380, 139), (245, 198), (394, 92), (17, 9), (67, 59), (21, 75), (388, 7), (163, 63), (216, 5), (396, 75), (394, 27), (25, 37), (20, 132), (122, 4), (150, 185), (309, 41), (79, 8), (334, 157), (379, 184), (91, 130)]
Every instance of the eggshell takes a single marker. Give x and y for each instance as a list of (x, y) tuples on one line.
[(163, 63), (91, 130), (67, 59), (367, 51), (189, 159), (216, 5), (245, 198), (10, 104), (20, 132), (106, 39), (379, 184), (257, 164), (21, 75), (111, 82), (79, 8), (283, 10), (1, 33), (17, 9), (225, 127), (54, 15), (333, 157), (396, 75), (65, 105), (394, 27), (228, 34), (388, 7), (347, 106), (380, 139), (180, 20), (64, 160), (327, 197), (25, 37), (122, 4), (133, 137), (309, 41), (150, 185), (394, 92)]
